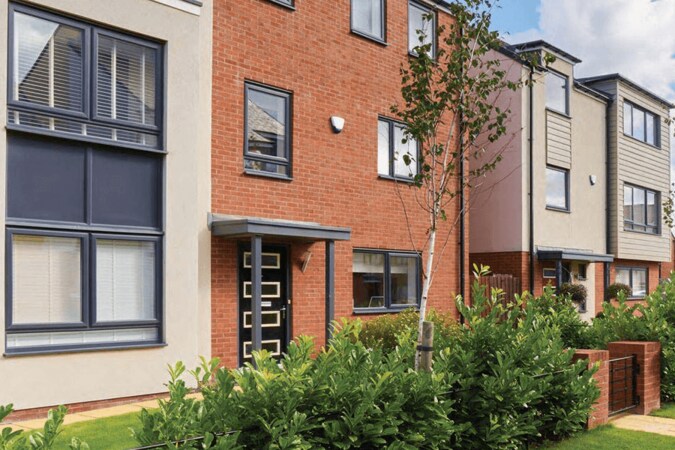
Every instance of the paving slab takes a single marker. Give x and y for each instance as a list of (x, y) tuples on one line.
[(649, 424)]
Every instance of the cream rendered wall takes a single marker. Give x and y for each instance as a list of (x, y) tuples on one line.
[(496, 208), (34, 381)]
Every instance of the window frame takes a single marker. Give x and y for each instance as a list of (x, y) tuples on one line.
[(88, 115), (383, 17), (567, 93), (392, 124), (288, 144), (388, 307), (630, 270), (629, 225), (290, 4), (568, 207), (646, 112), (434, 39)]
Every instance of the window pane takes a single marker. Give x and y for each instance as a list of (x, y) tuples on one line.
[(416, 21), (266, 124), (401, 169), (627, 119), (46, 280), (556, 92), (639, 283), (383, 147), (652, 210), (638, 124), (48, 63), (623, 276), (367, 17), (368, 277), (126, 79), (651, 129), (268, 167), (638, 205), (81, 338), (125, 280), (627, 203), (403, 280), (556, 188)]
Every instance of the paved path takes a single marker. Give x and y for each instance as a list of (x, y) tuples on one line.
[(650, 424), (36, 424)]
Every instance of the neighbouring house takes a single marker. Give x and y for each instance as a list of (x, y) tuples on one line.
[(577, 197), (105, 175), (305, 180)]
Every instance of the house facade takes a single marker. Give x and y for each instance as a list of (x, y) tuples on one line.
[(554, 211), (105, 178)]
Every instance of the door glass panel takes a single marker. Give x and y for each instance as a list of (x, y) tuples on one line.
[(269, 260), (269, 319), (273, 346), (269, 289)]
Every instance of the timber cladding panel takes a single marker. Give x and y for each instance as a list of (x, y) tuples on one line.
[(642, 165), (558, 140)]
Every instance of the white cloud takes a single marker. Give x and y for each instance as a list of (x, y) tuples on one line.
[(633, 37)]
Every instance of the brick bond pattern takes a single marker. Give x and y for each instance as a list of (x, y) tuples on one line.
[(330, 71)]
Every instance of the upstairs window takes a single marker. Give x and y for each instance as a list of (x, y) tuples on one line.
[(557, 92), (640, 124), (368, 18), (641, 209), (557, 188), (421, 19), (385, 279), (267, 147), (52, 83), (393, 148)]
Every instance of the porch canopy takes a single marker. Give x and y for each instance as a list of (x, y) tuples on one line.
[(255, 229), (570, 254)]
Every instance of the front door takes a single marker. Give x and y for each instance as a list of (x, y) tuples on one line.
[(275, 310)]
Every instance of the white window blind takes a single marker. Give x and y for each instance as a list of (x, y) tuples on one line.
[(89, 337), (48, 63), (367, 17), (125, 280), (46, 280), (126, 81)]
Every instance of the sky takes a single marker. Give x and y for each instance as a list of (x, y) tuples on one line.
[(635, 38)]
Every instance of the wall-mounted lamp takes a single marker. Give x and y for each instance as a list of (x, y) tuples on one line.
[(305, 261), (337, 124), (593, 179)]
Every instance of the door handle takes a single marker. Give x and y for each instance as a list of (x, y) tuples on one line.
[(282, 310)]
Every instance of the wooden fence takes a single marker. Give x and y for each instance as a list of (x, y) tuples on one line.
[(509, 284)]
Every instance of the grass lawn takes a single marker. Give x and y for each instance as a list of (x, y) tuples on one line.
[(610, 438), (667, 410), (111, 433)]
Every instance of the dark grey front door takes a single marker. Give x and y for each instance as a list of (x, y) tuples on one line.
[(275, 308)]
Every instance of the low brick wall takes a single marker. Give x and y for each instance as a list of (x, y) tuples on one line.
[(649, 375), (600, 413)]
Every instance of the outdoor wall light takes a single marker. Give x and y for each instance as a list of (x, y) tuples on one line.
[(305, 261), (593, 179), (337, 123)]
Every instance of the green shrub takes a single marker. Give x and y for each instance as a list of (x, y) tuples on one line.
[(614, 290), (385, 331), (39, 440), (576, 292)]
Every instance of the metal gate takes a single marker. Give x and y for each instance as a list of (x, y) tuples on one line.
[(623, 374)]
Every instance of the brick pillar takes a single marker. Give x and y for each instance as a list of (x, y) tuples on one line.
[(600, 414), (649, 375)]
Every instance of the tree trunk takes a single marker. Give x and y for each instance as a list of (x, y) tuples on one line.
[(425, 293)]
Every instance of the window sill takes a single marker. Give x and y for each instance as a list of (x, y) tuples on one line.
[(283, 4), (256, 173), (367, 36), (59, 350), (560, 113), (655, 147), (627, 230), (561, 210), (410, 181), (374, 311)]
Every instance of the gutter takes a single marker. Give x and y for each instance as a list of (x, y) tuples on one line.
[(531, 175)]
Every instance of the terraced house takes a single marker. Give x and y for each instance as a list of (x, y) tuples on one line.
[(578, 196)]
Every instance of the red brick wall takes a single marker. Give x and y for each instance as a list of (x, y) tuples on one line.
[(311, 52), (600, 414)]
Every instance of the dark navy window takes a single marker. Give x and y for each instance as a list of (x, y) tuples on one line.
[(85, 189)]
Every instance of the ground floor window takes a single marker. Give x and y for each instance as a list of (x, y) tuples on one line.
[(385, 279), (635, 277)]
